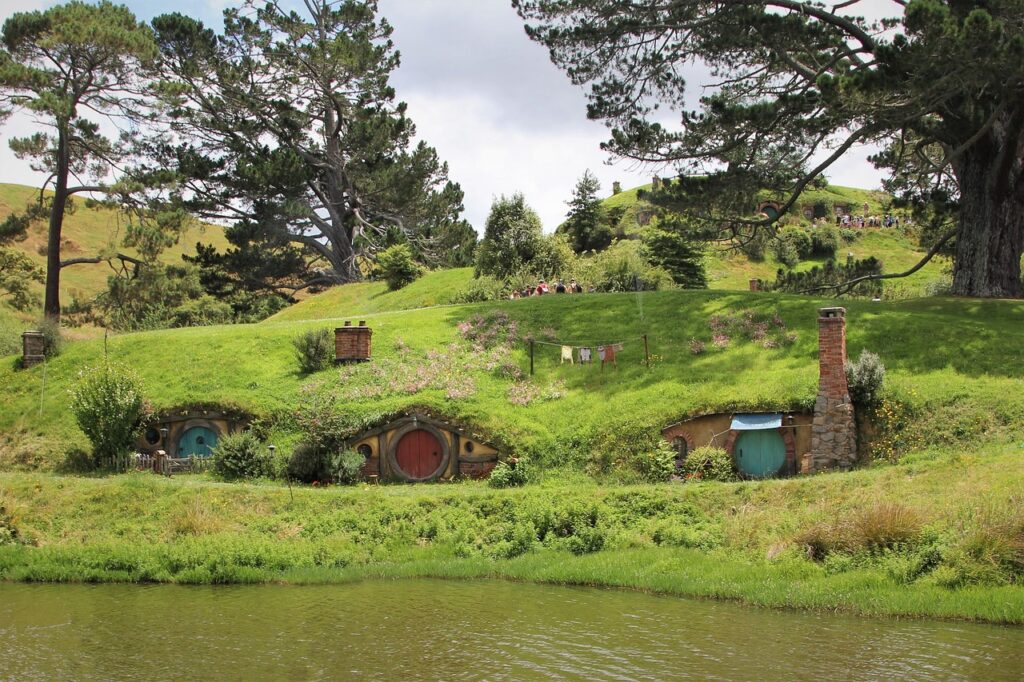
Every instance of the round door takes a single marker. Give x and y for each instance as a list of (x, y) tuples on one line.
[(198, 441), (760, 454), (419, 454)]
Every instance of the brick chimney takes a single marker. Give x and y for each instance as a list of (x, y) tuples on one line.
[(352, 344), (833, 434)]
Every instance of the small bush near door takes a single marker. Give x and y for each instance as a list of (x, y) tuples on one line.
[(107, 403), (242, 455), (709, 463)]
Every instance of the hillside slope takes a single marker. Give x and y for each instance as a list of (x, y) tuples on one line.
[(954, 363), (89, 232)]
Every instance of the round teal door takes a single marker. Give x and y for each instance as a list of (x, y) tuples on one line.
[(198, 441), (760, 454)]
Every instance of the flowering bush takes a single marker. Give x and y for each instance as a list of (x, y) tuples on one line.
[(107, 403)]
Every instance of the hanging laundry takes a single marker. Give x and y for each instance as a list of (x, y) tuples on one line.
[(600, 353), (567, 355), (617, 347), (609, 356), (585, 356)]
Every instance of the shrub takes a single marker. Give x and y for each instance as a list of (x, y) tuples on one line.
[(709, 463), (308, 464), (397, 266), (107, 403), (509, 474), (314, 350), (785, 252), (242, 455), (53, 338), (345, 467), (825, 242), (480, 290), (866, 378)]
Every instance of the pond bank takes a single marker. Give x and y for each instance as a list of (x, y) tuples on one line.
[(929, 538)]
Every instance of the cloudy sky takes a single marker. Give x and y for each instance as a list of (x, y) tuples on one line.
[(502, 116)]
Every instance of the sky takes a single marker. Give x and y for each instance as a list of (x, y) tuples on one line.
[(486, 97)]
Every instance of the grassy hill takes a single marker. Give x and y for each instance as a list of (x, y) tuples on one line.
[(953, 373), (89, 232), (952, 360), (729, 269)]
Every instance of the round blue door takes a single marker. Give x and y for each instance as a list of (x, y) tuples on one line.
[(760, 454), (198, 441)]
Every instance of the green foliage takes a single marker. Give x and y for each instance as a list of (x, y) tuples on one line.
[(397, 267), (631, 452), (308, 141), (345, 467), (866, 379), (512, 238), (770, 112), (832, 277), (157, 296), (109, 407), (242, 455), (785, 250), (709, 463), (509, 474), (307, 464), (586, 224), (314, 349), (480, 289), (824, 242), (67, 65), (53, 337), (621, 267), (17, 273), (679, 254)]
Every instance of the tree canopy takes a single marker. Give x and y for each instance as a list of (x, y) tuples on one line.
[(512, 238), (795, 86), (586, 223), (287, 121)]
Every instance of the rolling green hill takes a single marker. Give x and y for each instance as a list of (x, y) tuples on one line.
[(89, 232), (953, 360)]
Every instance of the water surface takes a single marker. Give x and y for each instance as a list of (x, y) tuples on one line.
[(428, 629)]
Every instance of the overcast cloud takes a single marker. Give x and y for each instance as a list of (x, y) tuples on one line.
[(502, 116)]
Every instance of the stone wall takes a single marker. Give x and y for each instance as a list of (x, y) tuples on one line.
[(833, 434)]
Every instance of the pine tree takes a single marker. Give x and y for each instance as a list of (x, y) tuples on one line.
[(289, 121), (71, 66), (586, 224)]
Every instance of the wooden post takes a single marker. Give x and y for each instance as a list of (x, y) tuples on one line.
[(531, 357), (647, 353)]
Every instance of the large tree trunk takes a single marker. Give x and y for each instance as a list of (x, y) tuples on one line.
[(990, 235), (51, 303)]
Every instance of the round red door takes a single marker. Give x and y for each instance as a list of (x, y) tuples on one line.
[(418, 454)]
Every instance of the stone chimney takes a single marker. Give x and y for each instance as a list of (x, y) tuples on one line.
[(33, 348), (352, 344), (833, 435)]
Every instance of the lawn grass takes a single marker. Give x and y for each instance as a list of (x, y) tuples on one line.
[(89, 232), (738, 541)]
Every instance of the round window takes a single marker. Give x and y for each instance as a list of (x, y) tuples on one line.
[(469, 446), (152, 435), (365, 450)]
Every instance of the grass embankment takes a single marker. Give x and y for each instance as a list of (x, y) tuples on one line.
[(933, 537), (955, 363), (90, 232)]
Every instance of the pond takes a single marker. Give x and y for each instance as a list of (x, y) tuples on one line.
[(428, 629)]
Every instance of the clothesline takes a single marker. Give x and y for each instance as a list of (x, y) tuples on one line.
[(559, 344)]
